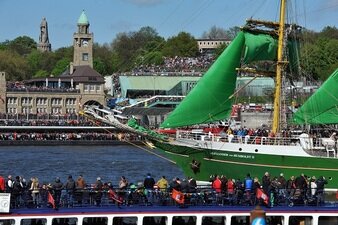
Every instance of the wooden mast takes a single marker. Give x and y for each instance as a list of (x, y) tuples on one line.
[(279, 69)]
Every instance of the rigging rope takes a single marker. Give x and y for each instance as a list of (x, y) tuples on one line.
[(129, 142)]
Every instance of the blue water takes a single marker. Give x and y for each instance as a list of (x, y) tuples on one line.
[(107, 162)]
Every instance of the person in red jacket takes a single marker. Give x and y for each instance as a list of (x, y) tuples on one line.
[(217, 184), (2, 184)]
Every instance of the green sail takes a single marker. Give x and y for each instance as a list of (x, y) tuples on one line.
[(322, 106), (209, 100)]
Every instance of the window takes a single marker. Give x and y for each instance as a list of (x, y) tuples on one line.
[(41, 101), (98, 87), (68, 221), (7, 222), (12, 100), (301, 220), (184, 220), (70, 101), (86, 87), (125, 221), (95, 221), (213, 220), (155, 220), (92, 87), (56, 110), (12, 110), (328, 220), (33, 221), (85, 56), (270, 220), (56, 101), (26, 101)]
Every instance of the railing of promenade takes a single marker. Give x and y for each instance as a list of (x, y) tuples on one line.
[(201, 196), (44, 89)]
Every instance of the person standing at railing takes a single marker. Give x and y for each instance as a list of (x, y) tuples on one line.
[(2, 184), (281, 185), (162, 184), (57, 190), (70, 189), (34, 188), (320, 190), (149, 183), (80, 187), (313, 186), (98, 189)]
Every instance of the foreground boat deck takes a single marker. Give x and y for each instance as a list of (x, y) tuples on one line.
[(170, 215)]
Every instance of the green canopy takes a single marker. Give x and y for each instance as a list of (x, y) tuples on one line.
[(322, 106), (210, 99)]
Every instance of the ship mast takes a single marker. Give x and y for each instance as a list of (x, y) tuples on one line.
[(279, 70)]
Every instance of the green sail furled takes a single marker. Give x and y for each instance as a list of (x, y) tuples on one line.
[(259, 47), (210, 99), (322, 106)]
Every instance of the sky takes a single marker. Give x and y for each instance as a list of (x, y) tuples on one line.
[(168, 17)]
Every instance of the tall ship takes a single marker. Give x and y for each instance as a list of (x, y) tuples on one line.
[(202, 153)]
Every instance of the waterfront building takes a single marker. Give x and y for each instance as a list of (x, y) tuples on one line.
[(67, 93), (207, 45)]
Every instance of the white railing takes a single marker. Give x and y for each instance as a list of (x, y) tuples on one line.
[(261, 140)]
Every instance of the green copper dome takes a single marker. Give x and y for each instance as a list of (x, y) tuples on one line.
[(83, 19)]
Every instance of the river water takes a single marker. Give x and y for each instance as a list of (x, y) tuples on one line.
[(107, 162)]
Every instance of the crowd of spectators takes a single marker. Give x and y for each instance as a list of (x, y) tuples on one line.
[(222, 190), (21, 87), (177, 66), (172, 66)]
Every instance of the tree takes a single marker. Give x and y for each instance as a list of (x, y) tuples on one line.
[(220, 49), (129, 48), (184, 44), (41, 73), (102, 58), (100, 66), (329, 32), (14, 65), (23, 45), (60, 67), (321, 58), (215, 33), (232, 32)]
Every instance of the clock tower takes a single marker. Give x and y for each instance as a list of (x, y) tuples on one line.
[(83, 43)]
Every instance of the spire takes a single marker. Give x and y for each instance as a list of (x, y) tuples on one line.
[(83, 20)]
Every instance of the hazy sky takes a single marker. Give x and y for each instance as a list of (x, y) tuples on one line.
[(110, 17)]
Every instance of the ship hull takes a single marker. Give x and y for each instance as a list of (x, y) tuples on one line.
[(235, 164)]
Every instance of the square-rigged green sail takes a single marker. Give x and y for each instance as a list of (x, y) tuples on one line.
[(322, 106), (209, 100)]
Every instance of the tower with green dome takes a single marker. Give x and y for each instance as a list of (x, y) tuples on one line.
[(83, 43)]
